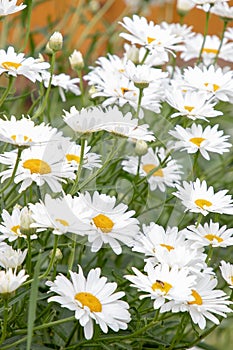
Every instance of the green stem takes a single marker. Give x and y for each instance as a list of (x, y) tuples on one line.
[(145, 56), (28, 24), (225, 23), (179, 331), (195, 164), (42, 107), (79, 72), (200, 216), (75, 184), (29, 255), (139, 102), (205, 34), (7, 91), (13, 172), (210, 254), (72, 253), (4, 34), (5, 319)]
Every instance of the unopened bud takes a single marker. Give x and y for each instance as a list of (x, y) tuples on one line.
[(141, 148), (76, 60), (25, 221), (92, 91), (56, 41), (183, 6), (58, 254), (48, 51), (132, 54)]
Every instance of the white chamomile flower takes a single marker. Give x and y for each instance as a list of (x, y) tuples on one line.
[(10, 281), (196, 139), (209, 235), (191, 49), (150, 35), (109, 223), (227, 272), (180, 30), (198, 198), (64, 83), (162, 283), (15, 64), (191, 104), (62, 215), (137, 55), (206, 4), (7, 7), (11, 225), (167, 175), (92, 298), (10, 258), (24, 132), (210, 80), (39, 164)]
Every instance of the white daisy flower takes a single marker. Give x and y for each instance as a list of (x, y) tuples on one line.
[(180, 30), (64, 83), (191, 104), (204, 303), (62, 215), (209, 235), (167, 175), (198, 198), (162, 283), (143, 74), (92, 299), (223, 10), (10, 258), (24, 132), (213, 81), (137, 55), (73, 152), (39, 164), (192, 46), (150, 35), (227, 272), (15, 64), (10, 281), (196, 139), (111, 120), (109, 223), (11, 225), (7, 7), (207, 4)]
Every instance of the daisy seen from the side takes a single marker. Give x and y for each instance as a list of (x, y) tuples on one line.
[(93, 299), (227, 272), (10, 280), (7, 7)]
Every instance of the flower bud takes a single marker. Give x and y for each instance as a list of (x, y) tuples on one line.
[(141, 147), (25, 221), (132, 54), (92, 91), (56, 41), (58, 254), (76, 60), (48, 51), (183, 6)]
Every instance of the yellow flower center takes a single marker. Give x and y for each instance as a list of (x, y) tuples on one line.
[(71, 157), (103, 222), (215, 87), (10, 65), (197, 298), (231, 279), (15, 229), (188, 108), (37, 166), (150, 40), (148, 167), (169, 247), (197, 140), (206, 50), (162, 286), (89, 300), (211, 237), (25, 138), (202, 203), (63, 222)]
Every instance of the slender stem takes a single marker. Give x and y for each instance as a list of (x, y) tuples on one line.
[(42, 107), (179, 331), (195, 164), (72, 253), (79, 72), (225, 23), (205, 34), (28, 24), (7, 91), (139, 102), (200, 216), (4, 34), (29, 255), (75, 184), (5, 319), (210, 254), (145, 56), (14, 171)]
